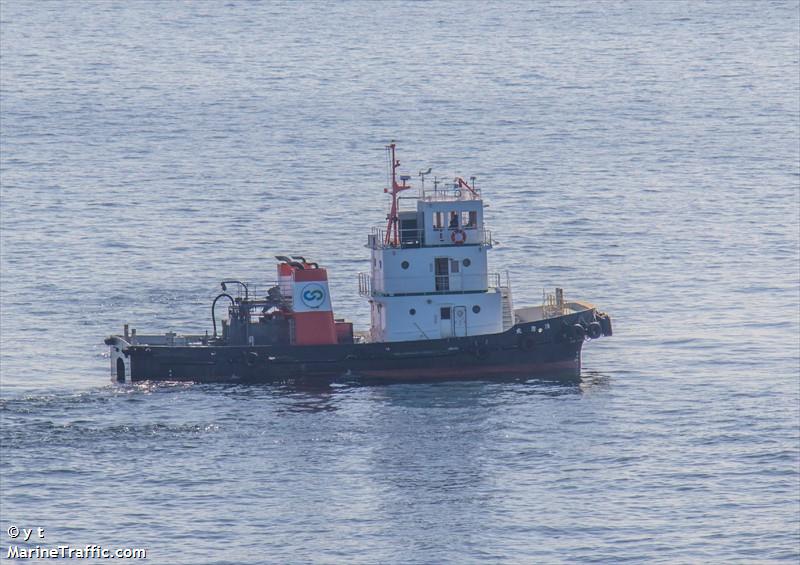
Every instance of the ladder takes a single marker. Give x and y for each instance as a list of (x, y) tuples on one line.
[(508, 313)]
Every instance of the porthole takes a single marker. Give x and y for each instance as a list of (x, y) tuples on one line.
[(476, 308), (404, 264), (466, 262), (412, 311)]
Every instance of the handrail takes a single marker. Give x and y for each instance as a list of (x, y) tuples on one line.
[(253, 290), (432, 284), (410, 238), (364, 284), (454, 193), (214, 306)]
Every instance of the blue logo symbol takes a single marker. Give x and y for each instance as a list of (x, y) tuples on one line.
[(313, 295)]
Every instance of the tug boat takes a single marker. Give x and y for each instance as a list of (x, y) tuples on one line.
[(436, 312)]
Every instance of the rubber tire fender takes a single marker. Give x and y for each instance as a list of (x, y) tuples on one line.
[(605, 322), (251, 357)]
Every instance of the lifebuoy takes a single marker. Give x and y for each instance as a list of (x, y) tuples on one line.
[(458, 236)]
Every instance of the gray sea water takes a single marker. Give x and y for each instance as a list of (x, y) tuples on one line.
[(643, 155)]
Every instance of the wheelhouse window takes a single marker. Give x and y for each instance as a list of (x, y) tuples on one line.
[(453, 220), (438, 220), (469, 219)]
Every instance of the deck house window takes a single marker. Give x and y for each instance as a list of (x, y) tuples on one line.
[(469, 219)]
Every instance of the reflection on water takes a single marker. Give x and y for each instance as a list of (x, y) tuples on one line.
[(461, 394), (310, 396), (594, 381)]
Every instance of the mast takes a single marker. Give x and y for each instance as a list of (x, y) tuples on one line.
[(461, 183), (391, 225)]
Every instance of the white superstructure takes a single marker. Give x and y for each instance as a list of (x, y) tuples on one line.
[(429, 275)]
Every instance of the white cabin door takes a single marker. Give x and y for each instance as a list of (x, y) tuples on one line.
[(455, 275), (446, 321), (460, 321)]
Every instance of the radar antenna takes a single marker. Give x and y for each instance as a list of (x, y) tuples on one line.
[(422, 175)]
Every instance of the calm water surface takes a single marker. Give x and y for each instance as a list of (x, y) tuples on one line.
[(645, 156)]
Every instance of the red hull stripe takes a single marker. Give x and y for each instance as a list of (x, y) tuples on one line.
[(475, 370)]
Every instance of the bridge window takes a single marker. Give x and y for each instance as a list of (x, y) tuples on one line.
[(469, 219), (453, 220), (438, 220)]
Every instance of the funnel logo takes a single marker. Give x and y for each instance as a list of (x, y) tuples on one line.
[(313, 295)]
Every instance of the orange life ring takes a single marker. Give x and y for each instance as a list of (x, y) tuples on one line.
[(458, 236)]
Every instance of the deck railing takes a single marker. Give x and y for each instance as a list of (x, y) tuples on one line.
[(448, 192), (442, 284), (255, 291), (416, 238), (364, 284)]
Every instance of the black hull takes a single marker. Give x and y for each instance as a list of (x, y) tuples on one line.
[(549, 348)]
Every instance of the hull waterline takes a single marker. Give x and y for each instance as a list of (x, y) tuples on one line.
[(545, 349)]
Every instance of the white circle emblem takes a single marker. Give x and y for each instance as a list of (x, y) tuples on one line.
[(313, 295)]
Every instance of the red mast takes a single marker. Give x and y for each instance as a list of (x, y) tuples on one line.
[(391, 225)]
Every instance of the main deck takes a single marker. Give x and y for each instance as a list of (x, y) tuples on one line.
[(536, 346)]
